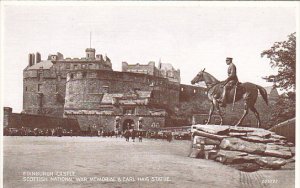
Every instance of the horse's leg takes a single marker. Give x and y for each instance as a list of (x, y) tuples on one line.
[(253, 109), (216, 103), (210, 112), (245, 113)]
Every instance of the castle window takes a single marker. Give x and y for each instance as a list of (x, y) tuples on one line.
[(182, 89), (26, 88), (75, 66), (40, 75), (83, 74), (106, 89), (129, 111), (194, 90), (39, 87), (71, 76), (68, 66), (90, 66), (92, 75)]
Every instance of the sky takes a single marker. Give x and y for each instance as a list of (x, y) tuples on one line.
[(190, 36)]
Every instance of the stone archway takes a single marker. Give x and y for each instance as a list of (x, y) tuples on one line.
[(127, 124)]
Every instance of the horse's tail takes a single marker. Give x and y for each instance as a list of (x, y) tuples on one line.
[(263, 93)]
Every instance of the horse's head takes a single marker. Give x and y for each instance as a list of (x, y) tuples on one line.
[(198, 77)]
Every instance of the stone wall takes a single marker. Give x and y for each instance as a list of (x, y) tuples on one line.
[(193, 100), (85, 89), (7, 111), (164, 70), (286, 129), (149, 69), (16, 120), (44, 95), (107, 122)]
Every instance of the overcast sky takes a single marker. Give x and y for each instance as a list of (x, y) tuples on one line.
[(189, 36)]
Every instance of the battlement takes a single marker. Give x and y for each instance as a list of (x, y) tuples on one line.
[(58, 65), (115, 75), (59, 57)]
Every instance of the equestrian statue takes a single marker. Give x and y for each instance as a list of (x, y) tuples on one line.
[(230, 91)]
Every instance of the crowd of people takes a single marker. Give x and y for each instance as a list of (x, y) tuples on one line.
[(127, 134)]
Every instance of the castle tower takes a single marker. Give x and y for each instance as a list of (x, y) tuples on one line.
[(90, 53)]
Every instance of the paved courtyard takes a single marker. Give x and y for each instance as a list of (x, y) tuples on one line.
[(112, 162)]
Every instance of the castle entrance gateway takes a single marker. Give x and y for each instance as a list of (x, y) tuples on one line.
[(127, 124)]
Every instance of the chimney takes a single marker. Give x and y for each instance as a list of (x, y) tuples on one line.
[(32, 59), (38, 57), (29, 60)]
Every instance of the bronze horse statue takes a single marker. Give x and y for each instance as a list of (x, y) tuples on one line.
[(248, 91)]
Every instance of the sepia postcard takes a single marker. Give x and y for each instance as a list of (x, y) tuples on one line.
[(149, 94)]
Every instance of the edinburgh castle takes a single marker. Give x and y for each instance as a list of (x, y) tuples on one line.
[(89, 92)]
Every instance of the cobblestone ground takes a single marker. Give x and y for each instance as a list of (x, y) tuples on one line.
[(112, 162)]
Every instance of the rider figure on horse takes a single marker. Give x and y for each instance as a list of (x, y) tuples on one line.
[(231, 81)]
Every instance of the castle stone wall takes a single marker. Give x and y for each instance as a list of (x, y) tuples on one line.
[(43, 96), (16, 120), (107, 122), (85, 89)]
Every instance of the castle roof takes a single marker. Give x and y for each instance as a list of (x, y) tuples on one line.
[(41, 65)]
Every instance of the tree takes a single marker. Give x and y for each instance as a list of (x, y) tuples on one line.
[(282, 55), (284, 109)]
